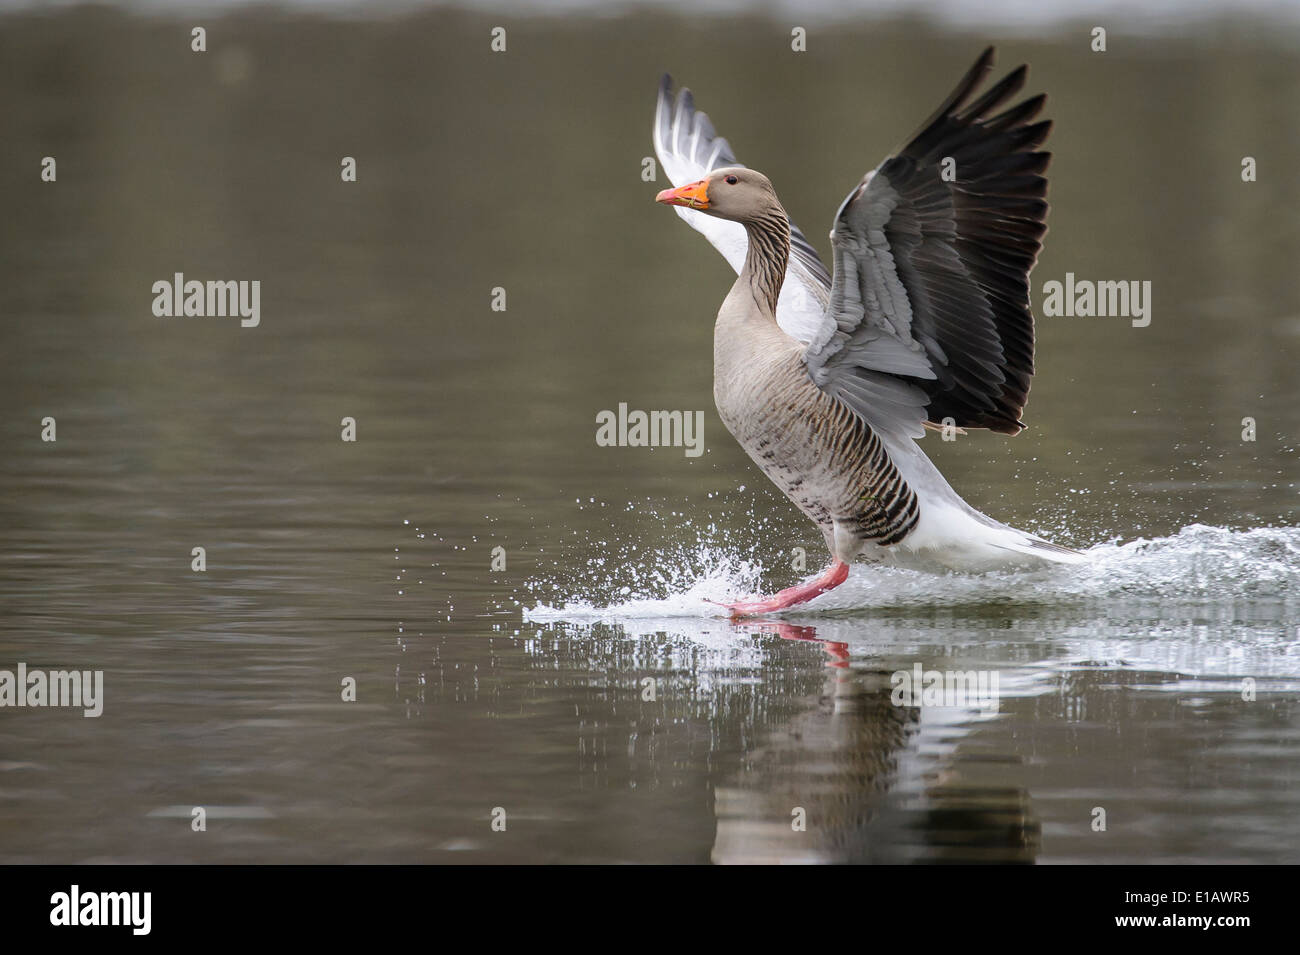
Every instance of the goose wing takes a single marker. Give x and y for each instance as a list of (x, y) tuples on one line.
[(689, 149), (929, 314)]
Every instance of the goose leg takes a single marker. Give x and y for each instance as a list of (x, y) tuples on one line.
[(831, 577)]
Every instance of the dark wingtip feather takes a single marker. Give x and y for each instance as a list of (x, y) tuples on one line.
[(968, 84), (1019, 114), (974, 76), (1004, 89)]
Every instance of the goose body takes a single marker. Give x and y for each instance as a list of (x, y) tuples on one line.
[(827, 381)]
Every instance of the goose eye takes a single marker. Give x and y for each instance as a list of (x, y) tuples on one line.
[(731, 180)]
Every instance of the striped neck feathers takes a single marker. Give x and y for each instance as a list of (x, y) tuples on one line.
[(767, 256)]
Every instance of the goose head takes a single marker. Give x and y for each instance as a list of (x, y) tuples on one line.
[(733, 192)]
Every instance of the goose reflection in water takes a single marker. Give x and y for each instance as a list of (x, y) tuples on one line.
[(849, 781)]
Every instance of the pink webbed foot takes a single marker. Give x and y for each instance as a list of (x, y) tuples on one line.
[(832, 577)]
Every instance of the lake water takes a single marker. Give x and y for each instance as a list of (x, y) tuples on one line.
[(1159, 683)]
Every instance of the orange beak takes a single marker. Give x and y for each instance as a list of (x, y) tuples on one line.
[(693, 195)]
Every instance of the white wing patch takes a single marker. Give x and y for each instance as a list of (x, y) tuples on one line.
[(688, 150)]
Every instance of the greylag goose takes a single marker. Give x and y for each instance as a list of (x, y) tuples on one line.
[(828, 380)]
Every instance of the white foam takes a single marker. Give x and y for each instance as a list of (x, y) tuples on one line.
[(1198, 564)]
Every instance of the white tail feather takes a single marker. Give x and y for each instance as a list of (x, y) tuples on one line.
[(951, 533)]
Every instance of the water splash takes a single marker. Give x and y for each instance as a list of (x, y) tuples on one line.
[(1199, 564)]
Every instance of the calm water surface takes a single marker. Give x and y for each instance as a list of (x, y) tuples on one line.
[(523, 688)]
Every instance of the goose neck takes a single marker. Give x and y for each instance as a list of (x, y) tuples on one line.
[(767, 257)]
